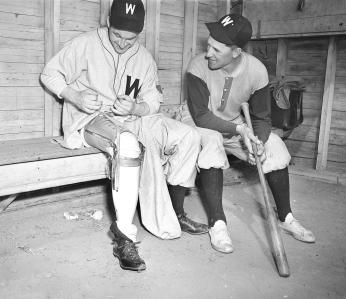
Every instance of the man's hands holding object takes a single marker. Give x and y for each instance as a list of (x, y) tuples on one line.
[(248, 137), (124, 105), (86, 101)]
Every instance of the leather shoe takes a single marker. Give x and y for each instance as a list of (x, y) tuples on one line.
[(126, 251), (219, 237), (128, 256), (192, 227)]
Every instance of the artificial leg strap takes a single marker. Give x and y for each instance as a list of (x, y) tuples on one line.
[(119, 160)]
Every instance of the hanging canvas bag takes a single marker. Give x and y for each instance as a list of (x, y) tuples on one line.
[(286, 104)]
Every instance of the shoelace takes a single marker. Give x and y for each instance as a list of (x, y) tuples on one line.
[(130, 249)]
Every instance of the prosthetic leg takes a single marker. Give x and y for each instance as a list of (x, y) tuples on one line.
[(126, 159), (124, 152)]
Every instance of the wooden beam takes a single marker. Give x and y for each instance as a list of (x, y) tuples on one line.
[(281, 58), (51, 46), (327, 105), (190, 37), (39, 175), (152, 30), (4, 203), (104, 11)]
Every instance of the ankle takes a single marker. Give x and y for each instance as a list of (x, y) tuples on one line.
[(288, 218)]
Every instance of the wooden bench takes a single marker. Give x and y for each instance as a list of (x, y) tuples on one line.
[(33, 164), (39, 163)]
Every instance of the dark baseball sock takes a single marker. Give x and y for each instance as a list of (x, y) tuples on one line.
[(211, 181), (278, 181), (177, 194)]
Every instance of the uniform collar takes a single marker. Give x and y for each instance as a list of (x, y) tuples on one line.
[(103, 36), (239, 69)]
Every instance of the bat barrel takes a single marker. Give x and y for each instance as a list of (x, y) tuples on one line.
[(275, 236)]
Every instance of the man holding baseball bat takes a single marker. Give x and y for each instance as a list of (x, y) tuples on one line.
[(218, 82)]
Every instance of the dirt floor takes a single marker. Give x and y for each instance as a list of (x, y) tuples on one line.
[(43, 255)]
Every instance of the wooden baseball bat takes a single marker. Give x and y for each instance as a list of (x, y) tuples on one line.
[(277, 244)]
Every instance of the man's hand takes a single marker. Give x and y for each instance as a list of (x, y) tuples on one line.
[(123, 105), (260, 153), (87, 101), (249, 137)]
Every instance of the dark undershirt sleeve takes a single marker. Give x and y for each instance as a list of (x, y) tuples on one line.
[(260, 112), (197, 101)]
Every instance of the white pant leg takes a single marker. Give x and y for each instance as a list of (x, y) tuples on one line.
[(182, 144), (277, 153), (213, 152), (278, 156), (171, 151)]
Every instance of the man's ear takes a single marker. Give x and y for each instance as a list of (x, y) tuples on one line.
[(236, 52), (108, 22)]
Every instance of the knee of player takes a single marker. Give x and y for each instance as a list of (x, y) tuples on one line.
[(129, 145)]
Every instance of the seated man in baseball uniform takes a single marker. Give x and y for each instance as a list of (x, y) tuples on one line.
[(218, 82), (109, 85)]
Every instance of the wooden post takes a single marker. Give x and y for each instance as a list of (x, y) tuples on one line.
[(281, 58), (228, 7), (51, 46), (104, 12), (327, 105), (221, 8), (190, 37), (152, 31), (237, 7)]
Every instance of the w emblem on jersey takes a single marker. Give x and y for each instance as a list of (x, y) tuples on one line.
[(132, 87), (130, 8)]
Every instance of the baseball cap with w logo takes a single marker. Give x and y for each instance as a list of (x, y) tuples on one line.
[(127, 15), (232, 29)]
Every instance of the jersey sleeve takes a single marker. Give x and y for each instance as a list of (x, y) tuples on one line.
[(150, 92), (65, 67), (260, 112), (197, 101)]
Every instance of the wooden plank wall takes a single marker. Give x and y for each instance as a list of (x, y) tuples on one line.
[(280, 18), (171, 43), (318, 60), (22, 57), (76, 17), (21, 61), (307, 60), (179, 20)]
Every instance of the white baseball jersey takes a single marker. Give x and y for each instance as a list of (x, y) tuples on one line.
[(89, 62)]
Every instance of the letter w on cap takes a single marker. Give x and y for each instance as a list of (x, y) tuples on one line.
[(130, 7), (226, 21)]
